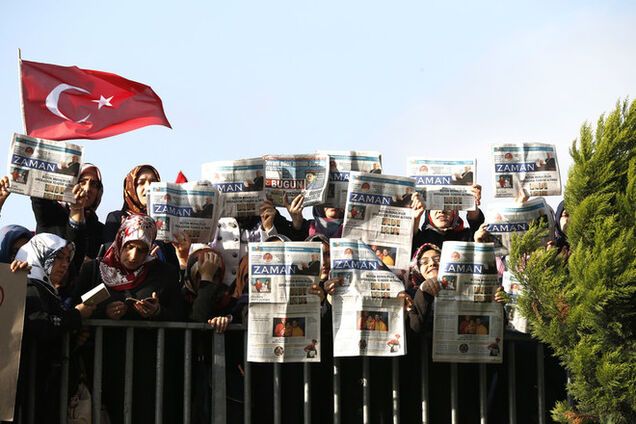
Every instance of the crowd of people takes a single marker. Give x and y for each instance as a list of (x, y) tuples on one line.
[(72, 251)]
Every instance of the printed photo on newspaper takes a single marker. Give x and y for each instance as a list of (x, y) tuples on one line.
[(444, 184), (284, 317), (505, 220), (240, 184), (467, 332), (529, 167), (368, 315), (287, 176), (189, 207), (43, 168), (468, 271), (340, 164), (379, 213)]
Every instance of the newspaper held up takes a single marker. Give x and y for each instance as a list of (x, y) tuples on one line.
[(516, 321), (287, 176), (505, 220), (444, 184), (240, 184), (43, 168), (379, 213), (340, 164), (467, 332), (284, 318), (189, 207), (529, 167), (368, 315), (468, 271)]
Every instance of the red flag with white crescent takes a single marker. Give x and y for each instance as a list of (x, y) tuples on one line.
[(66, 102)]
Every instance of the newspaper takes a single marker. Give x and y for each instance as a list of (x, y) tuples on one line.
[(378, 212), (516, 321), (188, 207), (504, 220), (467, 332), (12, 302), (240, 183), (43, 168), (284, 320), (340, 164), (368, 317), (532, 167), (468, 271), (288, 176), (444, 184)]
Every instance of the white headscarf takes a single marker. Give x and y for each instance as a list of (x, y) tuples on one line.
[(40, 253)]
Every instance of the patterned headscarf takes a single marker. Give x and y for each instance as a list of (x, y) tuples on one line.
[(132, 204), (415, 276), (100, 192), (329, 227), (192, 268), (8, 235), (457, 224), (114, 274), (40, 252)]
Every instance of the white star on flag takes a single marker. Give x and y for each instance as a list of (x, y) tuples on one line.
[(103, 101)]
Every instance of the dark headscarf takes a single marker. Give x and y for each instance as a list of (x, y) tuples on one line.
[(560, 239), (132, 204), (330, 227), (457, 224), (192, 268), (8, 235), (415, 276), (100, 192)]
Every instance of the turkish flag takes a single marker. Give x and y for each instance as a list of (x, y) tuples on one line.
[(66, 102)]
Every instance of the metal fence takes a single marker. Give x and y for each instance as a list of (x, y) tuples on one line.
[(218, 392)]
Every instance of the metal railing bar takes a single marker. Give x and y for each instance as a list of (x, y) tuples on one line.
[(187, 377), (66, 352), (161, 337), (97, 376), (366, 390), (307, 392), (247, 388), (540, 384), (483, 395), (278, 413), (424, 379), (395, 392), (218, 411), (336, 391), (128, 375), (157, 324), (454, 390), (512, 384)]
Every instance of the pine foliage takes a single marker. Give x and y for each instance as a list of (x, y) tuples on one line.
[(584, 306)]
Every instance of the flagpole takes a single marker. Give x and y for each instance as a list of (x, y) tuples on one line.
[(21, 94)]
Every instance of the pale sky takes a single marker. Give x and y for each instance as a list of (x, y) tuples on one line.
[(242, 79)]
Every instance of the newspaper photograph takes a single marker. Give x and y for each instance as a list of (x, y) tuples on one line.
[(532, 167), (43, 168), (513, 288), (467, 332), (444, 184), (240, 184), (340, 164), (189, 207), (287, 176), (284, 318), (378, 212), (468, 271), (368, 315), (505, 220)]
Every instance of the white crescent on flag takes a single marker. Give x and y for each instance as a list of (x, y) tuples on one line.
[(54, 96)]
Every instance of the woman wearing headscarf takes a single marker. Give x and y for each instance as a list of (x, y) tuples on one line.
[(64, 219), (46, 319), (12, 238), (141, 287), (561, 218)]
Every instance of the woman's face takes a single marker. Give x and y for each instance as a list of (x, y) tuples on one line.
[(429, 264), (563, 221), (442, 219), (142, 184), (91, 185), (60, 266), (334, 213), (133, 254)]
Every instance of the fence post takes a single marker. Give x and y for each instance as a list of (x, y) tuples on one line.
[(512, 384), (483, 396), (454, 390), (66, 352), (218, 411), (97, 375), (187, 376), (307, 392), (128, 375), (395, 392), (336, 391), (540, 384), (366, 390), (424, 379), (161, 336)]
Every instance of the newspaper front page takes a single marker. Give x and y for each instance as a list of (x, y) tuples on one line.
[(532, 167), (516, 321), (241, 184), (368, 317), (290, 175), (341, 163), (444, 184), (379, 213), (43, 168), (188, 207), (505, 220), (468, 271), (284, 319), (467, 332)]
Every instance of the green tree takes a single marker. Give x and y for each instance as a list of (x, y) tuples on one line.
[(584, 305)]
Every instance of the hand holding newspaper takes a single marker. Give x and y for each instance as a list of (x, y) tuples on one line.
[(288, 176)]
